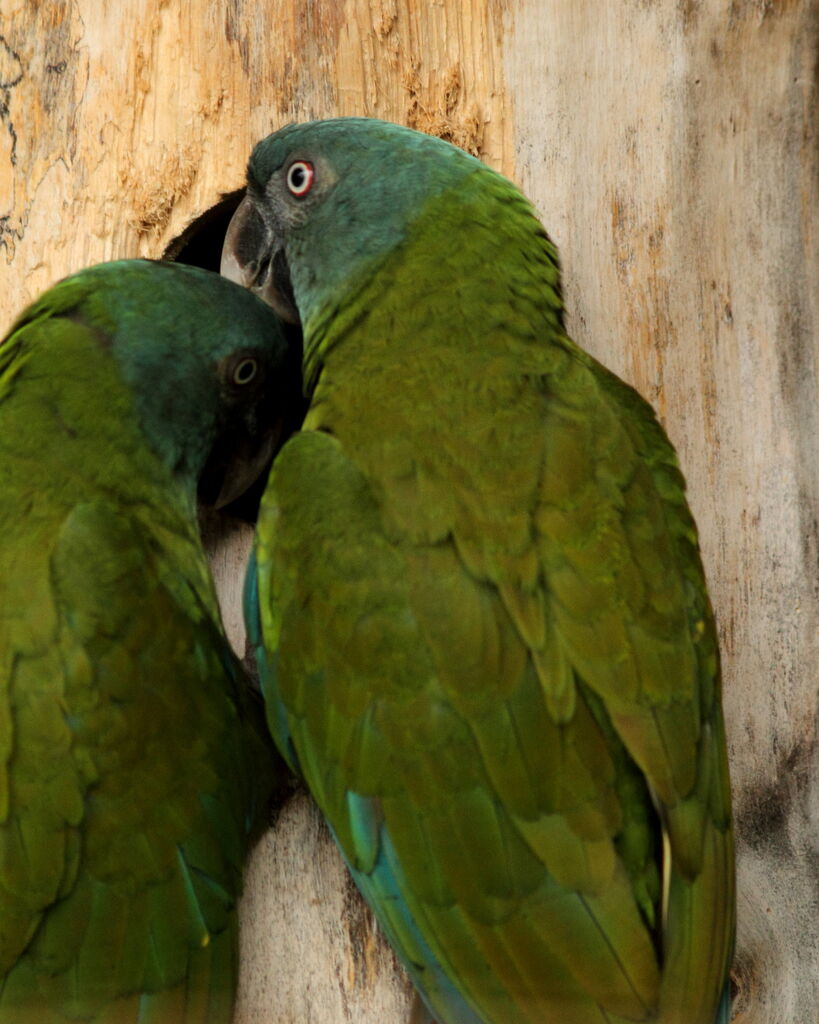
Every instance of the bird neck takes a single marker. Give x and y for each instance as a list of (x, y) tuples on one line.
[(457, 279), (74, 418)]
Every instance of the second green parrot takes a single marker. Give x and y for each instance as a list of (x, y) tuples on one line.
[(135, 767), (487, 642)]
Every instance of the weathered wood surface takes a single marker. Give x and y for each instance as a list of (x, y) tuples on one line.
[(671, 148)]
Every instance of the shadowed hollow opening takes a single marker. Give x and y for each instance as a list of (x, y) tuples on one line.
[(200, 244)]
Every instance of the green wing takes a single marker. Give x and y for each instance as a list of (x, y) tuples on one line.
[(523, 689), (129, 785)]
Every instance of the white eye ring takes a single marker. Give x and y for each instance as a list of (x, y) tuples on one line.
[(300, 177), (245, 371)]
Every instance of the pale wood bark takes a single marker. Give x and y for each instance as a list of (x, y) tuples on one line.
[(671, 148)]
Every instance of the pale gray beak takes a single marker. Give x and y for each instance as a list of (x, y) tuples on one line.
[(252, 258)]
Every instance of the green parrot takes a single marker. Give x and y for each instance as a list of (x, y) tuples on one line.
[(484, 629), (135, 765)]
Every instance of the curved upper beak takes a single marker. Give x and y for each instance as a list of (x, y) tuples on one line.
[(254, 258), (246, 467), (236, 462)]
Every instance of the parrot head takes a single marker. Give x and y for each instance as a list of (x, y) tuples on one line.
[(214, 374), (284, 242)]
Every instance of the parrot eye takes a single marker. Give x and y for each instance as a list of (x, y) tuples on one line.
[(240, 369), (300, 178), (245, 371)]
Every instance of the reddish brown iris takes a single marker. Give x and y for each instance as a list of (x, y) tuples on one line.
[(300, 178)]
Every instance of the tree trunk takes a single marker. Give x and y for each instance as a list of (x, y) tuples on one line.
[(671, 149)]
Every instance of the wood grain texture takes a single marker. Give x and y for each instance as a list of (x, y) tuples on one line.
[(332, 965), (671, 148)]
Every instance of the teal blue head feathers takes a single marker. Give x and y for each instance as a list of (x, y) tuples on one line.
[(343, 190), (214, 379)]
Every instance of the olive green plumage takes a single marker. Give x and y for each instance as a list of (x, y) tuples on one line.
[(490, 647), (133, 765)]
